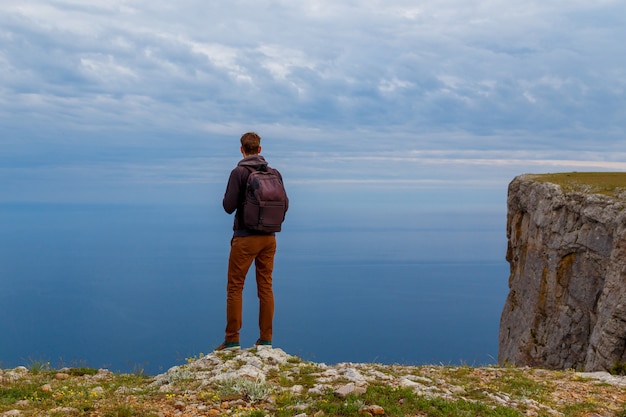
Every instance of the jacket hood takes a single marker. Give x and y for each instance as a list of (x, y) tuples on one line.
[(255, 161)]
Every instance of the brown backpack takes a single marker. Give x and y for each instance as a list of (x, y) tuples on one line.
[(265, 204)]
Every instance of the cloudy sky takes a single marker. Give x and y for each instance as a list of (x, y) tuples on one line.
[(144, 100)]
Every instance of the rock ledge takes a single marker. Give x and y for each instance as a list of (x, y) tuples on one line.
[(567, 302)]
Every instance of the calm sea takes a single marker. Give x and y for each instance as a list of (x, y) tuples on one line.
[(133, 287)]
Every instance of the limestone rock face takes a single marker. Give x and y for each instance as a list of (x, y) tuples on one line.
[(567, 302)]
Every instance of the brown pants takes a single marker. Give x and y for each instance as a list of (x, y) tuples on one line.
[(243, 250)]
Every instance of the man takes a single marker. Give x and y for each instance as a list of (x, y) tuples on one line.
[(248, 245)]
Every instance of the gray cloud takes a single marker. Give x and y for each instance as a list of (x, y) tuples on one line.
[(138, 82)]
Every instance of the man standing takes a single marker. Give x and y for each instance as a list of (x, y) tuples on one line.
[(248, 245)]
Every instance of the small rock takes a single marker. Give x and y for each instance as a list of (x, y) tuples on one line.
[(407, 383), (316, 391), (456, 389), (179, 405), (275, 355), (379, 376), (246, 371), (353, 375), (214, 412), (46, 388), (297, 389), (61, 376), (103, 374), (420, 379), (374, 410), (256, 362), (237, 403), (331, 373), (166, 388), (64, 410), (377, 410), (345, 390), (224, 405), (301, 415), (96, 391), (123, 390), (11, 413)]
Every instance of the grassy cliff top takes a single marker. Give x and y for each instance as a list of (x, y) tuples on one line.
[(281, 385), (607, 183)]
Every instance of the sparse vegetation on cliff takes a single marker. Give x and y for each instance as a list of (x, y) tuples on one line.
[(255, 383), (607, 183)]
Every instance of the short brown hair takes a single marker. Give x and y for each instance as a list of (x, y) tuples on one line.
[(250, 143)]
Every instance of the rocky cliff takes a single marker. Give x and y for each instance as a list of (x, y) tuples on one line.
[(567, 253)]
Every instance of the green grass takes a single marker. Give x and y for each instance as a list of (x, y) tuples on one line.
[(308, 375), (41, 392), (579, 409), (27, 391), (38, 365), (518, 385), (461, 375), (405, 402), (82, 371), (606, 183), (126, 410), (619, 368)]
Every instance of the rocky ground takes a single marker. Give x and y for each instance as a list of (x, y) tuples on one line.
[(260, 382)]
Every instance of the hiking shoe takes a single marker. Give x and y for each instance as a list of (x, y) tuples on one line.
[(228, 346), (263, 344)]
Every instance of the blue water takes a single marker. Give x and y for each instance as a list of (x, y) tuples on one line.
[(133, 287)]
